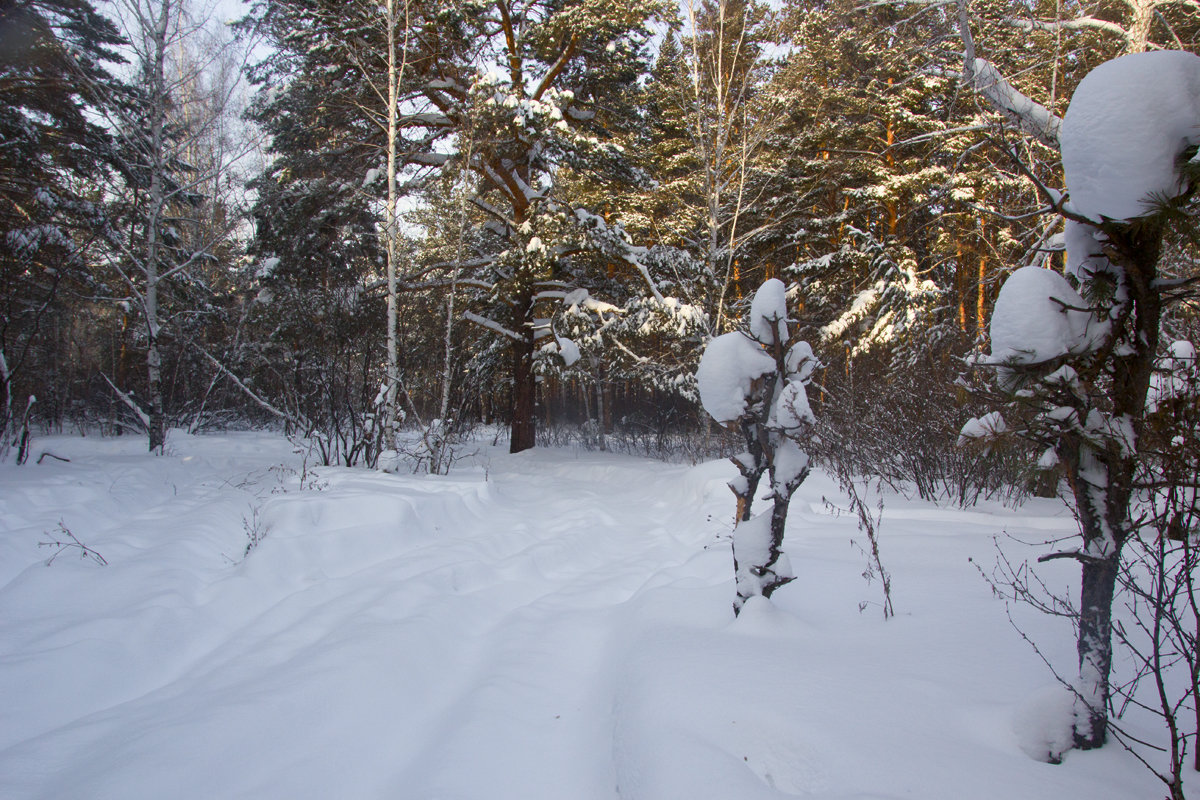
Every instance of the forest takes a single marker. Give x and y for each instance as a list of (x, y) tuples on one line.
[(344, 218), (942, 247)]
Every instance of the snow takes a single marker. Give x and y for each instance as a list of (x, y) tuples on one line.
[(1174, 374), (1045, 723), (768, 312), (752, 550), (1128, 122), (568, 349), (1085, 250), (552, 624), (792, 409), (1039, 317), (1048, 460), (990, 426), (800, 361), (730, 365), (267, 268), (791, 465)]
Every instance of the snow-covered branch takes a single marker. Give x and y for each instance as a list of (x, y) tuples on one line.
[(221, 368), (981, 75), (429, 159), (492, 325), (1077, 24), (128, 400), (1027, 114)]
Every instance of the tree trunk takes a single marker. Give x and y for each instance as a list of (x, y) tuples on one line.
[(154, 218), (392, 232), (459, 244), (158, 426), (1102, 479), (1095, 650), (6, 415), (524, 394), (602, 412), (751, 469), (1142, 13)]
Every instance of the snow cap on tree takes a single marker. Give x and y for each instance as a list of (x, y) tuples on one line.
[(1129, 121), (792, 410), (1040, 317), (725, 378), (768, 312), (800, 362)]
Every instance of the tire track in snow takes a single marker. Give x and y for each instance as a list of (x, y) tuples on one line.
[(461, 621), (537, 707)]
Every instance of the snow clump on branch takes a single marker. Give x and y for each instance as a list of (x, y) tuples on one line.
[(1129, 121), (731, 365), (1040, 317)]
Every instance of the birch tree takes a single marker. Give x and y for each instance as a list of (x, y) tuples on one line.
[(718, 85), (159, 238), (541, 83)]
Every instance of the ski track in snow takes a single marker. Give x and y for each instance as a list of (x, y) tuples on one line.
[(548, 625)]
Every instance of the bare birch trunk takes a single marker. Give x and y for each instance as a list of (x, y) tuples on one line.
[(391, 410), (459, 244), (153, 222), (600, 407)]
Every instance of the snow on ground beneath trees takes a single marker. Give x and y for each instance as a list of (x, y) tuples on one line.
[(1128, 122), (554, 624)]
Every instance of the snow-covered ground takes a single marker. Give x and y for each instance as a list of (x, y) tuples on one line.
[(554, 625)]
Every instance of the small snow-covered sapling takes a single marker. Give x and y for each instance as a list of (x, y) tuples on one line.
[(754, 381)]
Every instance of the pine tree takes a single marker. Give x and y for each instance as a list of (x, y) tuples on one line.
[(163, 233), (550, 105), (53, 56)]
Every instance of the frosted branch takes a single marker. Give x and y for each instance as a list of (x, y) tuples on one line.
[(1028, 115), (285, 416), (128, 400), (981, 75), (492, 325), (1078, 24)]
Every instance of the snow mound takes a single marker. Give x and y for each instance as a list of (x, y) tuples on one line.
[(1128, 122), (554, 624), (1038, 317), (1045, 723)]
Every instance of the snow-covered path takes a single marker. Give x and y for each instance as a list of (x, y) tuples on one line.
[(543, 626)]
